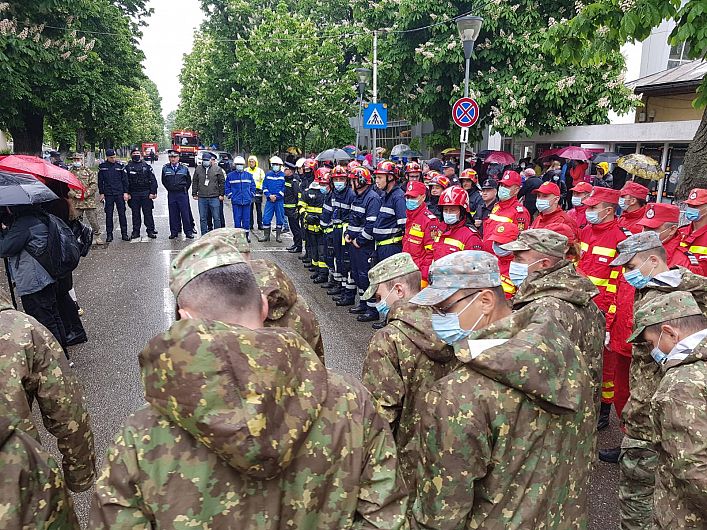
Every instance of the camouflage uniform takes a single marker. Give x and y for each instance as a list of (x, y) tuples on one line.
[(247, 429), (639, 458), (33, 490), (287, 309), (679, 417), (34, 367), (85, 202)]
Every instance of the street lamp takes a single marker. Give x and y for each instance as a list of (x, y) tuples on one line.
[(469, 28), (363, 75)]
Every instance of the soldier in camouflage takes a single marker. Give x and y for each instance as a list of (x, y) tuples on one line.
[(552, 285), (244, 427), (33, 491), (405, 357), (85, 201), (33, 367), (675, 328), (507, 438), (644, 252)]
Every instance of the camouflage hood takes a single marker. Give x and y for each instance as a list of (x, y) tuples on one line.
[(418, 328), (529, 351), (276, 286), (561, 281), (251, 397)]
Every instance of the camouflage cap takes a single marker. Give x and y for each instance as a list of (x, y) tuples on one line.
[(467, 269), (634, 244), (217, 249), (670, 306), (539, 240), (389, 269)]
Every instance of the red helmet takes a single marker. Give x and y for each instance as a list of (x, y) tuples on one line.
[(430, 176), (440, 180), (455, 196), (361, 175), (386, 167), (353, 164), (321, 175), (339, 171), (412, 167), (470, 174), (310, 164)]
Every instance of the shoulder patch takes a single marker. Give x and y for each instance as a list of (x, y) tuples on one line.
[(519, 208)]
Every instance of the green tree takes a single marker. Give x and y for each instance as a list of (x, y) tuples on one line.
[(602, 26)]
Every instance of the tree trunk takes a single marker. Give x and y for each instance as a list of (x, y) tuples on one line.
[(80, 140), (28, 137), (695, 165)]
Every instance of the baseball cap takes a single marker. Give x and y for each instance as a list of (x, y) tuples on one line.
[(415, 189), (511, 178), (583, 187), (110, 152), (634, 244), (548, 188), (540, 240), (468, 269), (697, 197), (660, 213), (390, 268), (489, 184), (600, 194), (634, 189), (217, 250), (504, 233), (670, 306), (563, 229)]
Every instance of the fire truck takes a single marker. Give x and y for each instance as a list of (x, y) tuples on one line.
[(186, 143)]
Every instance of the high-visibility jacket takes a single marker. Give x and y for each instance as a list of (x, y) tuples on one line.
[(510, 211), (680, 256), (389, 227), (559, 216), (364, 212), (314, 201), (598, 249), (292, 193), (504, 265), (579, 214), (629, 220), (695, 242), (421, 230), (456, 238)]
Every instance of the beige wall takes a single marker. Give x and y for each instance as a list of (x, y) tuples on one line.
[(669, 108)]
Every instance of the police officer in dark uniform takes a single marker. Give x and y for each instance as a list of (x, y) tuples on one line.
[(142, 188), (55, 158), (177, 181), (113, 190), (293, 196)]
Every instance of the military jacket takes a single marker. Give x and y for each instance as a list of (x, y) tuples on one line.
[(86, 199)]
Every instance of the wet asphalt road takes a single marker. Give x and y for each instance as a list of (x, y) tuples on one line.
[(123, 290)]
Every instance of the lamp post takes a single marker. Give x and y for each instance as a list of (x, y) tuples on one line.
[(363, 75), (469, 28)]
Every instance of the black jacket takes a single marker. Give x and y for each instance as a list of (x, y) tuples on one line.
[(112, 178), (141, 178)]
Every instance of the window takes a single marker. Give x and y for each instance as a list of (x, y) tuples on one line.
[(679, 54)]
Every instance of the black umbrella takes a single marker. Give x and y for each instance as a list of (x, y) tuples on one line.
[(16, 189), (607, 156), (335, 155)]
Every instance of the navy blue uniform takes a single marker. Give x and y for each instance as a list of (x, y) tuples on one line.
[(364, 212), (326, 242), (341, 204), (389, 228), (314, 201), (141, 184), (113, 184), (177, 181), (292, 203)]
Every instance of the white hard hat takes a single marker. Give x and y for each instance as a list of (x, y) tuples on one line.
[(239, 160), (276, 160), (300, 162)]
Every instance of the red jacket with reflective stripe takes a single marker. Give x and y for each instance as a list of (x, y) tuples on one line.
[(598, 249), (579, 214), (677, 255), (510, 211), (629, 220), (504, 264), (696, 243), (421, 228), (559, 216), (455, 238)]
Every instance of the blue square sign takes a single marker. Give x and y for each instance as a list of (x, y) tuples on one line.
[(375, 116)]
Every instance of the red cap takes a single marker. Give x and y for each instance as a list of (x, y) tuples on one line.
[(510, 178), (415, 188), (548, 188), (634, 189), (583, 187), (697, 197), (504, 233), (600, 194), (564, 229), (660, 213)]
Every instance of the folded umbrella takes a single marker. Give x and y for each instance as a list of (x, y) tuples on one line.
[(16, 189), (40, 168)]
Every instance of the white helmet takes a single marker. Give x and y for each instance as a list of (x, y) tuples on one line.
[(276, 160), (300, 162), (239, 160)]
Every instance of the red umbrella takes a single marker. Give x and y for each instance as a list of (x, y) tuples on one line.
[(40, 169), (499, 157), (573, 153)]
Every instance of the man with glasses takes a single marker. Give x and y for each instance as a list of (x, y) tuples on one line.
[(176, 179)]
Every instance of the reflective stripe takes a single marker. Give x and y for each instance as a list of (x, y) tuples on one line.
[(386, 230), (389, 241), (385, 209), (417, 233), (402, 221), (508, 286), (428, 247), (454, 243), (612, 309), (603, 282), (604, 251), (607, 384), (371, 218), (500, 219), (355, 229), (695, 249), (683, 244), (359, 209), (584, 246), (614, 274), (313, 209), (607, 395), (238, 181), (290, 205), (367, 236)]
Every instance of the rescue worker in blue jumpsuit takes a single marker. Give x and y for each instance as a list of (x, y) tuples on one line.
[(240, 189), (389, 228), (274, 195), (341, 203), (177, 180), (113, 190), (359, 235)]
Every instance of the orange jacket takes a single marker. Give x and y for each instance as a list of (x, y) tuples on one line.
[(559, 216), (455, 238), (421, 229), (695, 242)]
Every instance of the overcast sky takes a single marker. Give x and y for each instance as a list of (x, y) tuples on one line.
[(168, 36)]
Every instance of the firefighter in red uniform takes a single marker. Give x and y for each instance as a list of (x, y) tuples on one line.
[(421, 228), (633, 207), (505, 233), (580, 192), (458, 235), (548, 204), (663, 220), (598, 241), (695, 240), (508, 209)]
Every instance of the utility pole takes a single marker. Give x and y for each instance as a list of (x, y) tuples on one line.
[(375, 93)]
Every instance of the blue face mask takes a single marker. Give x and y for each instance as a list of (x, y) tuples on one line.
[(518, 272), (411, 204), (205, 163), (500, 252), (692, 214), (448, 328), (576, 201), (324, 190), (636, 278), (450, 218), (382, 307), (622, 203), (504, 193), (542, 205), (339, 186), (657, 353), (594, 217)]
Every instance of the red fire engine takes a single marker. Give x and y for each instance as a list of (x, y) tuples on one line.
[(186, 143)]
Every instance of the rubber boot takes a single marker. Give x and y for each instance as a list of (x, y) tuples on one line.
[(603, 420), (322, 278), (266, 237), (247, 237), (361, 308), (315, 274), (345, 300), (330, 282), (278, 233), (335, 290)]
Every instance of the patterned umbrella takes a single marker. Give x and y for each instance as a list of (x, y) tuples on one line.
[(641, 166)]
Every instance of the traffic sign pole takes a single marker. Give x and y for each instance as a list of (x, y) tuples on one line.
[(464, 138), (374, 155), (462, 162)]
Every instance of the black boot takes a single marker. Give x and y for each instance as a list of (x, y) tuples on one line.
[(278, 233), (379, 325), (266, 237), (369, 316), (335, 290), (346, 299), (361, 308), (610, 455), (322, 278), (313, 268), (603, 420), (315, 274), (109, 238)]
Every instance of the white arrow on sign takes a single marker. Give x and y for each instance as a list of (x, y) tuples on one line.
[(375, 118), (464, 135)]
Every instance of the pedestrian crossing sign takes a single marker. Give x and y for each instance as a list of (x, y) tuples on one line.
[(375, 116)]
